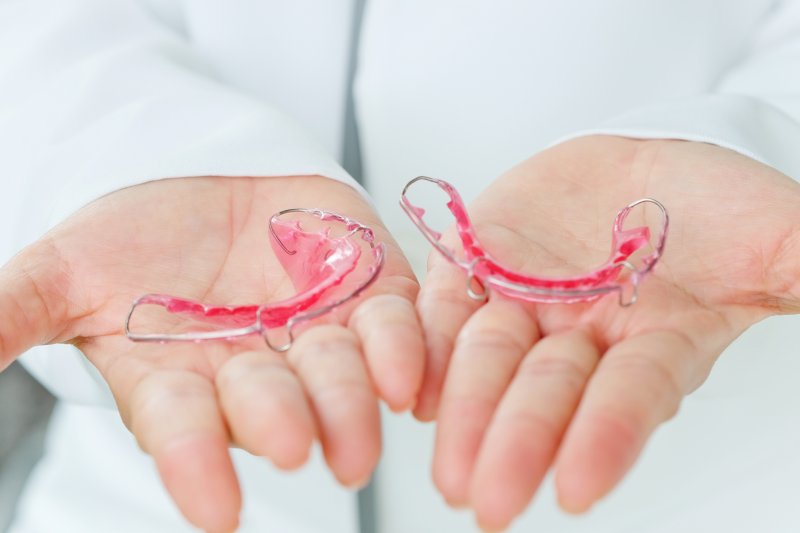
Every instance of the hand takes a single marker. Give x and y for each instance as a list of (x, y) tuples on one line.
[(583, 386), (206, 238)]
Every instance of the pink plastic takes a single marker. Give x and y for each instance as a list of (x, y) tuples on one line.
[(487, 272), (316, 263)]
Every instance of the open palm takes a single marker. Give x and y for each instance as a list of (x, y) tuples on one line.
[(582, 386), (206, 239)]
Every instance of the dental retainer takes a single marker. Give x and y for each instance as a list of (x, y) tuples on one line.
[(488, 274), (317, 264)]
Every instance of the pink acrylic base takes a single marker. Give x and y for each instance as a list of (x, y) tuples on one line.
[(480, 266), (315, 262)]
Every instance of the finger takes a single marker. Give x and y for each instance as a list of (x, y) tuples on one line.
[(443, 307), (266, 408), (391, 337), (176, 419), (328, 360), (524, 434), (33, 303), (638, 384), (486, 355)]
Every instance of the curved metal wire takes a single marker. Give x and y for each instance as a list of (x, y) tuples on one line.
[(378, 250), (537, 293)]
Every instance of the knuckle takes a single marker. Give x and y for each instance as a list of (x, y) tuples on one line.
[(160, 391), (323, 341), (389, 308), (564, 369), (467, 407), (245, 368), (533, 423), (403, 287), (343, 390), (489, 340), (621, 429), (660, 378), (434, 296)]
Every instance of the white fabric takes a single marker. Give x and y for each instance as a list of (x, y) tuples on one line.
[(121, 491), (101, 94)]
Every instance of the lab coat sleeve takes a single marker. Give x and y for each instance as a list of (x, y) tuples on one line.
[(753, 109), (97, 95)]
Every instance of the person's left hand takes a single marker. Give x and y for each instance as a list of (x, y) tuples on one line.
[(583, 386)]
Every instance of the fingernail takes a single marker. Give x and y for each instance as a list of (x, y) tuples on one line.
[(424, 413), (571, 507), (455, 504), (408, 406), (359, 484), (487, 529)]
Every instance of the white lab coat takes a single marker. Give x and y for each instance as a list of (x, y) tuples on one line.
[(96, 95)]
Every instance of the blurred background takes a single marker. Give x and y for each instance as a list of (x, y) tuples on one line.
[(24, 411)]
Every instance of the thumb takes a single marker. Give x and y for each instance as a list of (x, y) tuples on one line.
[(33, 303)]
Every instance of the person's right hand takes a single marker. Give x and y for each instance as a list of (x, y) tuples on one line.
[(205, 238)]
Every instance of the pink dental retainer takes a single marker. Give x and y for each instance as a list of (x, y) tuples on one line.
[(316, 263), (485, 272)]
